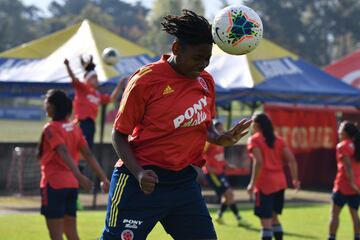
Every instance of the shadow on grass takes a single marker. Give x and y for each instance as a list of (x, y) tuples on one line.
[(289, 234)]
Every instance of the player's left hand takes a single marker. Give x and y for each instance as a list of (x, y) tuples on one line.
[(105, 185), (250, 189), (232, 136)]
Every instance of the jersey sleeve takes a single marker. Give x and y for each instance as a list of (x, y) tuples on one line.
[(345, 150), (133, 103), (105, 98), (78, 85), (53, 137), (252, 143), (211, 84), (82, 141)]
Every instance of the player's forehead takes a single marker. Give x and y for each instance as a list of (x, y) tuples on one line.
[(198, 49)]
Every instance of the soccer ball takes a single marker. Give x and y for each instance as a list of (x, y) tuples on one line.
[(110, 56), (237, 30)]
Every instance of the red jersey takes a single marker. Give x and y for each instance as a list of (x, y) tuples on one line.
[(167, 116), (341, 184), (272, 176), (54, 171), (87, 100), (215, 159)]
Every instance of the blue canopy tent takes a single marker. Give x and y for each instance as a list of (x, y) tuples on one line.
[(295, 82)]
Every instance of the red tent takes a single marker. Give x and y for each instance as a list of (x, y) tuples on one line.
[(347, 69)]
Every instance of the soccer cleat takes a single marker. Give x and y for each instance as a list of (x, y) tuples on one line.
[(219, 220), (243, 223)]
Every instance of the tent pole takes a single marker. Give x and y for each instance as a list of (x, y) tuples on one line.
[(229, 116), (100, 151)]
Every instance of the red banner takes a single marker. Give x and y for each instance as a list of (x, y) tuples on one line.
[(304, 129)]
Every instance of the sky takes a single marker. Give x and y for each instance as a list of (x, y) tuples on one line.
[(211, 6)]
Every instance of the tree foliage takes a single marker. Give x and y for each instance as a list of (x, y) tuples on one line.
[(319, 31)]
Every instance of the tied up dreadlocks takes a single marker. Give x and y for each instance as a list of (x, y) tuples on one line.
[(188, 28)]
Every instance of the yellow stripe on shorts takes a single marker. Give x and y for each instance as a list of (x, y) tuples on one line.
[(215, 179), (116, 199)]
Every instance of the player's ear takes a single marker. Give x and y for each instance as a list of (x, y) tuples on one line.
[(175, 48)]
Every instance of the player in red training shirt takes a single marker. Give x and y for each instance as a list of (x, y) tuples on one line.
[(215, 174), (88, 98), (164, 120), (61, 142), (347, 182), (269, 153)]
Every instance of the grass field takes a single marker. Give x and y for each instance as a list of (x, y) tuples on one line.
[(299, 222)]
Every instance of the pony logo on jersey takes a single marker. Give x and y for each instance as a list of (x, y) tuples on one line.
[(127, 235), (68, 126), (193, 115), (93, 99)]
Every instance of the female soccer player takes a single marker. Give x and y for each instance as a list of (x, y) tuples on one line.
[(88, 98), (347, 182), (164, 120), (61, 142), (215, 174), (269, 153)]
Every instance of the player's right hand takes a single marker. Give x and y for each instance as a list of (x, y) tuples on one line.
[(66, 61), (147, 180), (85, 183)]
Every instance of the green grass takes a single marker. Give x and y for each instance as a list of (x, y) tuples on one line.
[(299, 222), (29, 131)]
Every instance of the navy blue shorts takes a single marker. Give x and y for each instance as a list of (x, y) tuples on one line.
[(219, 183), (176, 203), (266, 204), (56, 203), (88, 129), (340, 199)]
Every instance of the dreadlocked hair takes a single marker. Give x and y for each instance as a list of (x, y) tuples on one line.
[(88, 65), (266, 127), (188, 28), (354, 133)]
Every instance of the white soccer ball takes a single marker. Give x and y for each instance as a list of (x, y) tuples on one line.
[(237, 29), (110, 56)]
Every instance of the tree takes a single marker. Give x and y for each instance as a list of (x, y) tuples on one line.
[(156, 39), (17, 23), (318, 31)]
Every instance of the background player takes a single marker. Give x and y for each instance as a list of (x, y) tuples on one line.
[(88, 98), (215, 174), (347, 182), (269, 153), (164, 120), (59, 148)]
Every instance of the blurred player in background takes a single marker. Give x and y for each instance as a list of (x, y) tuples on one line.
[(164, 120), (88, 99), (269, 154), (59, 148), (347, 182), (215, 174)]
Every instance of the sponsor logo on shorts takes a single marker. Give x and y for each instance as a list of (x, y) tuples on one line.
[(194, 115), (134, 224), (127, 235)]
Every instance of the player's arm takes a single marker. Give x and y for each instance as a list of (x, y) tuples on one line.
[(118, 89), (230, 137), (89, 157), (349, 173), (84, 182), (290, 158), (74, 79), (256, 168), (146, 178)]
